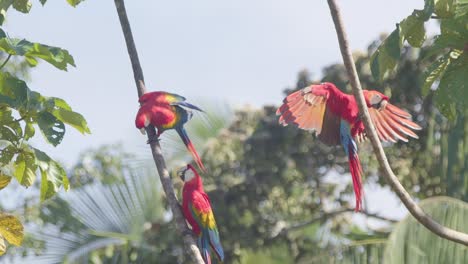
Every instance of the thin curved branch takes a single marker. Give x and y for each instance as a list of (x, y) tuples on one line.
[(404, 196), (326, 216), (166, 180)]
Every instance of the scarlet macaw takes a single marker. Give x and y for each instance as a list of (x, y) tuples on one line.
[(197, 210), (334, 116), (164, 111)]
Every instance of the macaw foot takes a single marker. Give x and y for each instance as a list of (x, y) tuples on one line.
[(154, 138)]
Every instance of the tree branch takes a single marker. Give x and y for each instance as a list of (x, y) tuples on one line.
[(166, 180), (414, 208), (326, 216)]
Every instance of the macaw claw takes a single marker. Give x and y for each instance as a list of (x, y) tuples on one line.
[(154, 138)]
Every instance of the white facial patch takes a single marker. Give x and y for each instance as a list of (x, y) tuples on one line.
[(147, 122), (189, 174), (375, 99)]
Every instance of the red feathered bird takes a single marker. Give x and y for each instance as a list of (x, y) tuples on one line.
[(166, 111), (196, 207), (334, 116)]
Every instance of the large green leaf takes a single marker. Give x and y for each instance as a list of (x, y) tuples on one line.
[(452, 91), (4, 180), (22, 5), (52, 175), (25, 168), (14, 92), (74, 3), (434, 72), (11, 229), (411, 29), (52, 128), (58, 57), (411, 242), (385, 58), (73, 119), (444, 8)]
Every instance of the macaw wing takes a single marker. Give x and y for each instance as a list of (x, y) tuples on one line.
[(201, 211), (161, 97), (307, 109), (392, 123)]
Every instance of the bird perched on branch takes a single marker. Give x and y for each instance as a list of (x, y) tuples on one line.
[(334, 116), (166, 111), (196, 207)]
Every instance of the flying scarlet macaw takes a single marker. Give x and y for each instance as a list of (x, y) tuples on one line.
[(334, 116), (197, 210), (164, 111)]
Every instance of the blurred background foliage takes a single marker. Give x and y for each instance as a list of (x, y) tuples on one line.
[(279, 195)]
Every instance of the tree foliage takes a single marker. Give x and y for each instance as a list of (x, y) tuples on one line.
[(447, 74), (23, 110)]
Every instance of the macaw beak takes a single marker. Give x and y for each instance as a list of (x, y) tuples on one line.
[(181, 173)]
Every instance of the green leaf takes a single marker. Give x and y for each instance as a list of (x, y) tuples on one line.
[(453, 88), (7, 155), (4, 180), (25, 169), (433, 73), (11, 229), (58, 57), (385, 58), (412, 30), (52, 175), (74, 3), (43, 2), (29, 130), (13, 92), (52, 128), (22, 5), (411, 242), (444, 8), (73, 119)]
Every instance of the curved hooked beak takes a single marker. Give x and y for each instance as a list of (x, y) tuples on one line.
[(181, 173)]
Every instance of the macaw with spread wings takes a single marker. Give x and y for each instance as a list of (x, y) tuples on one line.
[(334, 116)]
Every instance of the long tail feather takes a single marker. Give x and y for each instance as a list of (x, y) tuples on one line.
[(204, 246), (216, 244), (356, 171), (183, 135), (189, 105)]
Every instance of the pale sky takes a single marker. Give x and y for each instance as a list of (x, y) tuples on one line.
[(243, 52)]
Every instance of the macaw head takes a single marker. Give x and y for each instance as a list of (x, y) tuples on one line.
[(187, 173), (375, 99), (142, 119)]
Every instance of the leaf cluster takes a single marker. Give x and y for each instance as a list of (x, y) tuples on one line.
[(447, 74), (23, 110)]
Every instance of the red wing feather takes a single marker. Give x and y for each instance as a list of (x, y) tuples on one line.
[(392, 123), (304, 109)]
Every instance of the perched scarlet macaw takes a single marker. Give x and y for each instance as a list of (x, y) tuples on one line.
[(164, 111), (334, 116), (197, 210)]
